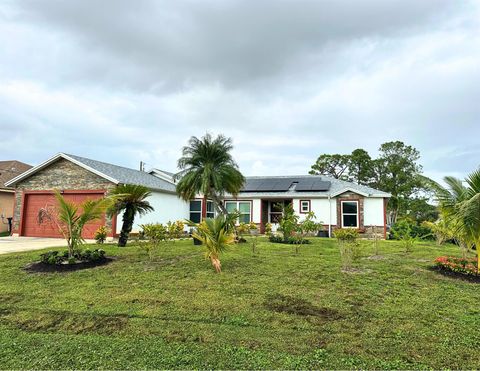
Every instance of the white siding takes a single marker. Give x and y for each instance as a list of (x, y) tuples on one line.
[(256, 210), (373, 211), (167, 207), (321, 208)]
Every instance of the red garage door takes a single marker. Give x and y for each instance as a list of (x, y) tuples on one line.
[(35, 201)]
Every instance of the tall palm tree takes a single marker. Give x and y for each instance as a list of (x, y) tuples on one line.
[(207, 167), (70, 218), (216, 235), (131, 199)]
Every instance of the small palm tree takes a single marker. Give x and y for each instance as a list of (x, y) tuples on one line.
[(71, 218), (207, 167), (131, 199), (460, 205), (216, 235)]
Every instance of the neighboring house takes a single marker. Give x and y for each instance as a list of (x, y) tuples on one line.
[(8, 170), (78, 179), (336, 203)]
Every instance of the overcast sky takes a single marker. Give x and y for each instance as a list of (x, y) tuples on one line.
[(124, 81)]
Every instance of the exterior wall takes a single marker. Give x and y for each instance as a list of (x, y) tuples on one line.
[(325, 210), (61, 175), (167, 207), (256, 210), (373, 212), (6, 209)]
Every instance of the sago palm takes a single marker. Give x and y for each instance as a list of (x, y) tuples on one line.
[(70, 218), (216, 236), (207, 167), (131, 200)]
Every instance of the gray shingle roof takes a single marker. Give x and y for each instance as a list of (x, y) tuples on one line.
[(126, 175), (336, 186)]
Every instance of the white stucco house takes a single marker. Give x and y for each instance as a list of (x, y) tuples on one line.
[(336, 203)]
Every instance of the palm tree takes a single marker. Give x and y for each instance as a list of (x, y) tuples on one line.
[(207, 167), (468, 212), (131, 199), (216, 235), (69, 220), (460, 205)]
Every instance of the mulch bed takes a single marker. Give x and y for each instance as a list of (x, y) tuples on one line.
[(40, 267), (456, 275)]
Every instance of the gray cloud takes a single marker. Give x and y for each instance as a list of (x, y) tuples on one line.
[(287, 79)]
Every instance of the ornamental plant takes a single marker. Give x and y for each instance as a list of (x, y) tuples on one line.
[(466, 266), (288, 223), (101, 234)]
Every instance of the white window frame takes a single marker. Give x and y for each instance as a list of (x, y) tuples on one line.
[(308, 202), (237, 207), (190, 212), (357, 213), (210, 212)]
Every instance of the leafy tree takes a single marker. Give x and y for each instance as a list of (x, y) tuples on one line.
[(335, 166), (70, 218), (397, 172), (361, 168), (216, 235), (131, 199), (207, 167)]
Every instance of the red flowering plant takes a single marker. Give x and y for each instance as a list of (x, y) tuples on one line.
[(467, 266)]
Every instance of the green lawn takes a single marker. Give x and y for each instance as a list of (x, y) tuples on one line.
[(272, 310)]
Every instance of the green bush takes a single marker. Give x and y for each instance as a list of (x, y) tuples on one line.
[(57, 258), (407, 226), (289, 241)]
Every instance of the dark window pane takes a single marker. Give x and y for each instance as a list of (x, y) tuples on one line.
[(195, 205), (210, 215), (349, 207), (277, 207), (195, 217), (244, 218), (209, 206), (349, 220)]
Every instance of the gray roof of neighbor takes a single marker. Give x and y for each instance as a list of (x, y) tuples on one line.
[(126, 175), (11, 169), (308, 185)]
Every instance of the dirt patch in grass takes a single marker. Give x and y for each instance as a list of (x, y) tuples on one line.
[(356, 271), (65, 322), (40, 267), (456, 275), (301, 307), (375, 257)]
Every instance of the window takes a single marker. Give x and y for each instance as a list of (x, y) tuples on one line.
[(244, 207), (196, 211), (210, 209), (276, 211), (304, 206), (350, 214)]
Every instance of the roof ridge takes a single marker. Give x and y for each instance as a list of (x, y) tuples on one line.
[(103, 162)]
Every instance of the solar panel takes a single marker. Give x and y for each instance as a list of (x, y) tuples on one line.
[(312, 185)]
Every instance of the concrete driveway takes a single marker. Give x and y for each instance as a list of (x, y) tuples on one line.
[(17, 244)]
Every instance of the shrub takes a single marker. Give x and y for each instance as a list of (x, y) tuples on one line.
[(57, 258), (242, 229), (347, 239), (288, 222), (175, 229), (289, 241), (101, 234), (156, 234), (268, 229), (457, 265), (404, 231)]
